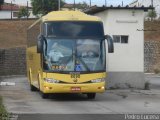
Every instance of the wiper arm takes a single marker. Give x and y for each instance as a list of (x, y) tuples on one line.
[(84, 64)]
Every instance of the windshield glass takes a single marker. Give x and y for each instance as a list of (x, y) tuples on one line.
[(74, 29), (74, 55)]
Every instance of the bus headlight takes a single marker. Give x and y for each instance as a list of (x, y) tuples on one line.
[(51, 80), (98, 80)]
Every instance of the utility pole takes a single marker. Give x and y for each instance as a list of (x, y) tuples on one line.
[(122, 3), (59, 4), (105, 3), (90, 3), (152, 9), (27, 11), (11, 10), (74, 5), (152, 3)]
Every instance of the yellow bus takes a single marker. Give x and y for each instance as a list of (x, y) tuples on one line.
[(66, 53)]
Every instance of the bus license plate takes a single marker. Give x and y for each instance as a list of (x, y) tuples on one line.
[(75, 89)]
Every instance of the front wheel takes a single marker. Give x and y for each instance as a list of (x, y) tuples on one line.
[(44, 95), (32, 88), (91, 95)]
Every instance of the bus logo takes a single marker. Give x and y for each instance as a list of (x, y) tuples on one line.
[(75, 75), (75, 80)]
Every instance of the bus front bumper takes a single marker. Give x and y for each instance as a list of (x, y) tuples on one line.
[(74, 88)]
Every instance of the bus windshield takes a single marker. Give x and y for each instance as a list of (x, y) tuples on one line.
[(74, 55), (74, 29)]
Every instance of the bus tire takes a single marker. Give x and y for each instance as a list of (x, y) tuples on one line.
[(32, 88), (91, 95), (44, 95)]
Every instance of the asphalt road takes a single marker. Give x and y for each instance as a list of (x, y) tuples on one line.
[(154, 81), (19, 99)]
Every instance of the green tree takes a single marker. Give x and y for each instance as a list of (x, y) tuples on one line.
[(1, 3), (23, 12), (152, 14), (42, 7), (82, 6)]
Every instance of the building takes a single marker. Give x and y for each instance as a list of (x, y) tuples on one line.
[(125, 25), (147, 3), (68, 7), (8, 11)]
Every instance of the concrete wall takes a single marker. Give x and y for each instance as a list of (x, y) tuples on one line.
[(13, 61), (128, 59), (7, 15), (13, 33), (151, 55)]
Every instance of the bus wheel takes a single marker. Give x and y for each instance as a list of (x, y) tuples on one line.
[(44, 95), (32, 88), (91, 95)]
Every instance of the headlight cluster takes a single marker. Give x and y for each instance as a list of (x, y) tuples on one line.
[(51, 80), (98, 80)]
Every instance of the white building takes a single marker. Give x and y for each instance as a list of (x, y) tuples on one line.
[(8, 11), (147, 3), (126, 64)]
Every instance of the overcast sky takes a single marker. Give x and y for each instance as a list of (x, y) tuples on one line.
[(94, 2)]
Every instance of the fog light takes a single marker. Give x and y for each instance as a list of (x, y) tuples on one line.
[(101, 87), (46, 87)]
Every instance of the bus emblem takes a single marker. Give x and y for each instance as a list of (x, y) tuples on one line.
[(75, 75), (75, 80)]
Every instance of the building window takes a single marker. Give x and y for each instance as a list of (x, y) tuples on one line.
[(15, 14), (120, 39), (124, 39), (116, 38)]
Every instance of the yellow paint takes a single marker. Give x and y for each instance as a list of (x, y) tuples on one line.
[(67, 77), (69, 16), (66, 88)]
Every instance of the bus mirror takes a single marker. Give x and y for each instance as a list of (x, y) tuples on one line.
[(40, 44), (110, 43)]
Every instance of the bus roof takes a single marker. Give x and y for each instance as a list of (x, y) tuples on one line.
[(69, 16)]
